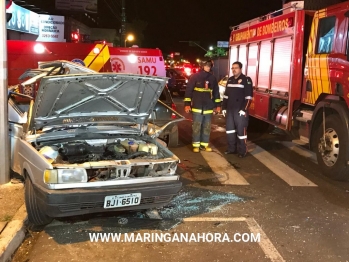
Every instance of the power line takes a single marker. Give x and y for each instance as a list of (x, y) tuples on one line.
[(111, 9), (115, 5)]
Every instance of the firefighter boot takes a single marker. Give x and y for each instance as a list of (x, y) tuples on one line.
[(207, 148), (196, 149)]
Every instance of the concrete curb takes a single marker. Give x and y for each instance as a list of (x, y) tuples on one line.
[(13, 234)]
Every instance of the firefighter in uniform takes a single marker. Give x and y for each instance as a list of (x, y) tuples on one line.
[(236, 102), (202, 97)]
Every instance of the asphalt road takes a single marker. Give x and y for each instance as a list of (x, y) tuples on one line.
[(276, 192)]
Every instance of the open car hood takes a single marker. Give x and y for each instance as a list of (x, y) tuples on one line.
[(95, 98)]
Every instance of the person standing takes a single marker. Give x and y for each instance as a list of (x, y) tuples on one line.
[(236, 102), (171, 83), (202, 97)]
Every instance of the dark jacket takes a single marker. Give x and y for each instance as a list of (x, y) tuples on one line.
[(238, 93), (202, 99)]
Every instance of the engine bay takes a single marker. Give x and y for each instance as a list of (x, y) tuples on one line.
[(130, 158), (81, 151)]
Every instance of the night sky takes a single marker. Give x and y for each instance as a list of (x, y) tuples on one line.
[(171, 21)]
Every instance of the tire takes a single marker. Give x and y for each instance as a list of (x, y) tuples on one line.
[(332, 160), (35, 215), (173, 137)]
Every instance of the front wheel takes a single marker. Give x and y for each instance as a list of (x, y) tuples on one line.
[(35, 215), (331, 151)]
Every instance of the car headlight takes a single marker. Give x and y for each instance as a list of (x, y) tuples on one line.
[(65, 176)]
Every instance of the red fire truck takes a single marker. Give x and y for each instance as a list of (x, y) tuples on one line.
[(298, 61), (23, 55)]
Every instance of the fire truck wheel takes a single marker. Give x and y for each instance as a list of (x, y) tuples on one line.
[(331, 148), (35, 215)]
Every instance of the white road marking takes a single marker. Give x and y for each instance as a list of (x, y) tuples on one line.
[(266, 245), (300, 151), (224, 171), (214, 219), (280, 169)]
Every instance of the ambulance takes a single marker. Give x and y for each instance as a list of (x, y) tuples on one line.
[(101, 57)]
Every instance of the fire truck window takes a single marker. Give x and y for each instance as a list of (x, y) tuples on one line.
[(326, 34)]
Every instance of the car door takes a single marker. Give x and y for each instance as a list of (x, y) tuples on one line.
[(17, 118)]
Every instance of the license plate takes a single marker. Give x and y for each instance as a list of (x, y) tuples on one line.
[(122, 200)]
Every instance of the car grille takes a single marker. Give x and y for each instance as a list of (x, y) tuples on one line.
[(64, 208)]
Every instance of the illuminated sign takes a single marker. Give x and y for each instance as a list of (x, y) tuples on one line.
[(262, 30)]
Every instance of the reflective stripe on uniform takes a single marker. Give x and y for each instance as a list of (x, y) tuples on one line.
[(199, 89), (242, 137), (196, 110), (196, 144), (217, 101), (235, 85), (204, 144), (248, 97), (187, 99), (230, 131), (225, 97), (207, 112)]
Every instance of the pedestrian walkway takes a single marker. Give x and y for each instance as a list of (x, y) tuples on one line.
[(227, 174)]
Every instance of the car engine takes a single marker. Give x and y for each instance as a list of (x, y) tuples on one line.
[(129, 158), (75, 152)]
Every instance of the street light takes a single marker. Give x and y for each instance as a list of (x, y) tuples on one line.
[(129, 38), (211, 48)]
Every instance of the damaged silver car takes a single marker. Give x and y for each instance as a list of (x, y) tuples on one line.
[(88, 144)]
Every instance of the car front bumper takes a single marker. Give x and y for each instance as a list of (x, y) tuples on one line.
[(72, 202)]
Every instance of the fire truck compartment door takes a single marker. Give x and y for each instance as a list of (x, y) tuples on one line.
[(264, 65), (233, 57), (242, 57), (252, 62), (281, 74), (261, 105)]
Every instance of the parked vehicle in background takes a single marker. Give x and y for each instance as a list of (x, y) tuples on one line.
[(298, 62), (88, 143), (181, 81)]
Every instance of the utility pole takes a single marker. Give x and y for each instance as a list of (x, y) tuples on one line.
[(4, 148), (123, 22)]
